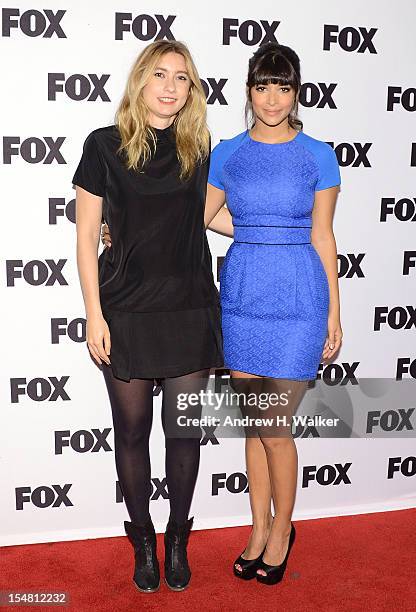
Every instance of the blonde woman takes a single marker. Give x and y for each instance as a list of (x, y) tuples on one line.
[(152, 307)]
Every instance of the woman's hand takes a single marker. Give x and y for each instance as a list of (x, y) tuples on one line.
[(98, 339), (333, 341), (105, 235)]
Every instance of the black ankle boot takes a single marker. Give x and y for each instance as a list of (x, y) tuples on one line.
[(177, 571), (146, 572)]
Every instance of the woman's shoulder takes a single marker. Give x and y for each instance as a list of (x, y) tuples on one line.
[(319, 147), (325, 160), (229, 143), (103, 140), (104, 134), (227, 147)]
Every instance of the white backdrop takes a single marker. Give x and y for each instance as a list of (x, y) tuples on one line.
[(358, 93)]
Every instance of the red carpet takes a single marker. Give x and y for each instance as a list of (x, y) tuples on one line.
[(364, 562)]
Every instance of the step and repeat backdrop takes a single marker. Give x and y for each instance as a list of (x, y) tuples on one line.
[(64, 67)]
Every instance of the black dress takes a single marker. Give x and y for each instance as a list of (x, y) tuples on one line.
[(157, 290)]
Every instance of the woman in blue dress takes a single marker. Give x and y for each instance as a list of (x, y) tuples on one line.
[(279, 284)]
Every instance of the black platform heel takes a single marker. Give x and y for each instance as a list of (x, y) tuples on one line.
[(275, 573), (177, 570), (249, 567), (146, 571)]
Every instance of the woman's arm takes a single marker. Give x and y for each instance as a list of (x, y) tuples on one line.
[(215, 199), (222, 223), (88, 223), (323, 240)]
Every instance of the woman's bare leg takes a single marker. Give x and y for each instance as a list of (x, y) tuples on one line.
[(282, 463), (258, 477)]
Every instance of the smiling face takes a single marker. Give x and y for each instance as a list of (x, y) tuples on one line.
[(272, 103), (167, 90)]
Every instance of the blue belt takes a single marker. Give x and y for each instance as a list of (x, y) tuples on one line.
[(272, 234)]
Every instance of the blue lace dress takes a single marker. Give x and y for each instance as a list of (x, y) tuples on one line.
[(274, 290)]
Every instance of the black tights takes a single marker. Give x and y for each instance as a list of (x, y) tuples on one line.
[(132, 410)]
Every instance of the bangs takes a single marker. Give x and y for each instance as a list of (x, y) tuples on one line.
[(273, 70)]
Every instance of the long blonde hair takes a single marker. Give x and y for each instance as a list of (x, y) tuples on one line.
[(138, 139)]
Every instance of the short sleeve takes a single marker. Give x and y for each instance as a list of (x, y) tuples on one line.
[(329, 175), (90, 173), (216, 164)]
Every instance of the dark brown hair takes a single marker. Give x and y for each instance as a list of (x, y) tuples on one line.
[(274, 64)]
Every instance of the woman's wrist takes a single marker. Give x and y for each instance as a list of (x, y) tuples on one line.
[(94, 313), (334, 312)]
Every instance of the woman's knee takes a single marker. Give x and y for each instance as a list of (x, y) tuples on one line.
[(133, 436), (277, 443)]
